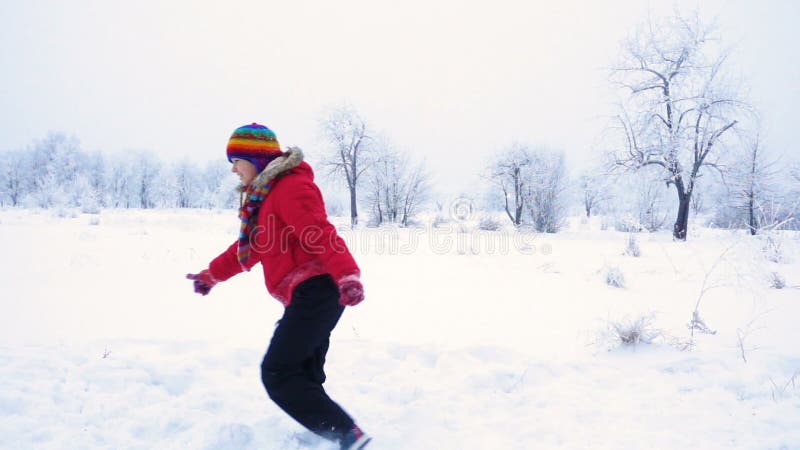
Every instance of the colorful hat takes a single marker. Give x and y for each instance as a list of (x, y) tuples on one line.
[(255, 143)]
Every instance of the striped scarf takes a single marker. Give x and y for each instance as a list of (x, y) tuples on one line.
[(248, 214), (254, 195)]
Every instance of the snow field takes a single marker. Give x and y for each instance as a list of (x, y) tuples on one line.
[(105, 345)]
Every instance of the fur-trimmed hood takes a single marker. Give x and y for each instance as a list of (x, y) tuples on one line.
[(290, 159)]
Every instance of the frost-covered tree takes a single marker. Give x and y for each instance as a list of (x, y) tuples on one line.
[(417, 191), (757, 194), (348, 138), (509, 174), (638, 202), (544, 190), (89, 198), (219, 186), (50, 192), (395, 188), (97, 168), (53, 172), (698, 203), (121, 183), (752, 184), (678, 104), (146, 172), (185, 177), (14, 177), (54, 169), (594, 189), (533, 182), (650, 204)]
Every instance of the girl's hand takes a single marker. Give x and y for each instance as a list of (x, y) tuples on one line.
[(351, 290), (203, 281)]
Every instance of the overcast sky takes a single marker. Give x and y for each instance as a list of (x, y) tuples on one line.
[(450, 81)]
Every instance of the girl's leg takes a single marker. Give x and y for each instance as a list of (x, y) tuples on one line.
[(293, 367)]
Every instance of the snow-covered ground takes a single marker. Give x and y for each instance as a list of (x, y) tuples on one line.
[(459, 345)]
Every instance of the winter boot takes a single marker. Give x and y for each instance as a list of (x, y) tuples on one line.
[(355, 439)]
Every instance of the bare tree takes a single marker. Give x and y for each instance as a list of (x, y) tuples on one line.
[(678, 106), (639, 202), (383, 185), (752, 185), (349, 138), (417, 189), (594, 184), (698, 204), (649, 205), (509, 173), (395, 187), (757, 197)]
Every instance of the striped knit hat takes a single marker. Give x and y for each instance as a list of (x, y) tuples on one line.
[(255, 143)]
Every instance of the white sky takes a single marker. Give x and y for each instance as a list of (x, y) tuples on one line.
[(451, 81)]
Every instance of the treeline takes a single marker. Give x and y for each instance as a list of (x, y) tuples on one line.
[(529, 185), (56, 172)]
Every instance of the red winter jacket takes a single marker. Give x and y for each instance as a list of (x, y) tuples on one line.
[(294, 239)]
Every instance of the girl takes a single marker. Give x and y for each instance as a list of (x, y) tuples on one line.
[(307, 267)]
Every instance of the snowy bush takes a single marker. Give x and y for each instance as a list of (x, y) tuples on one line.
[(780, 391), (772, 247), (626, 223), (94, 220), (440, 220), (605, 223), (90, 206), (63, 212), (487, 223), (414, 223), (614, 277), (776, 280), (631, 332), (632, 247), (698, 324)]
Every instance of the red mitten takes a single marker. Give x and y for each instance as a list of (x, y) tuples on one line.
[(203, 281), (351, 290)]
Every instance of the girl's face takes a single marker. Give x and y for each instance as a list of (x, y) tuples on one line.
[(245, 169)]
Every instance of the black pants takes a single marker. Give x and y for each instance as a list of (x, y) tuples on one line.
[(293, 368)]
